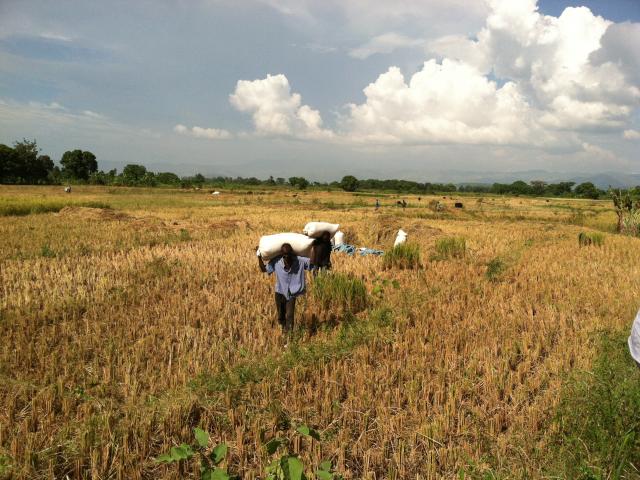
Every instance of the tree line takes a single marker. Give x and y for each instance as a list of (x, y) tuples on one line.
[(23, 164)]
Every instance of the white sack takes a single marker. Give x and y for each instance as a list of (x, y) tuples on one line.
[(401, 237), (634, 339), (271, 245), (316, 229), (338, 239)]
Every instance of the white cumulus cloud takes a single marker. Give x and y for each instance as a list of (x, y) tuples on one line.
[(276, 111), (525, 79), (557, 81), (450, 102), (200, 132)]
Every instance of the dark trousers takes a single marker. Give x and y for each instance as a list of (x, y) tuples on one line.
[(286, 311)]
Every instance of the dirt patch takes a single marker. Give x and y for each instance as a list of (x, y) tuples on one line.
[(88, 213)]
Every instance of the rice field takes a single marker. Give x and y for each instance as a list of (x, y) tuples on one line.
[(128, 317)]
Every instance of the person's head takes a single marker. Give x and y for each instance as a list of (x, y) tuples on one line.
[(287, 252), (326, 236)]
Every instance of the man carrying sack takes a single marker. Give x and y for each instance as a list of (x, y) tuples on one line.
[(290, 283)]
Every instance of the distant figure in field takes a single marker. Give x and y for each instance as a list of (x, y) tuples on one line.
[(67, 189), (321, 253), (290, 283), (377, 204)]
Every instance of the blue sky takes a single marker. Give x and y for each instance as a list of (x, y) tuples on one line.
[(420, 89)]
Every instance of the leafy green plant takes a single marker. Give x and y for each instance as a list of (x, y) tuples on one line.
[(590, 238), (209, 460), (381, 284), (286, 465), (339, 291), (450, 247), (404, 256)]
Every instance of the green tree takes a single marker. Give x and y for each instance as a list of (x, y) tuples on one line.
[(300, 182), (587, 190), (538, 187), (22, 164), (349, 183), (132, 174), (520, 188), (7, 163), (199, 179), (149, 179), (167, 178), (78, 165)]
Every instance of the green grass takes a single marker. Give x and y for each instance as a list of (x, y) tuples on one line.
[(495, 268), (599, 417), (450, 247), (590, 238), (404, 256), (341, 292)]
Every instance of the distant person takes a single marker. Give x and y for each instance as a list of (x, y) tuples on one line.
[(321, 253), (634, 340), (377, 204), (290, 284)]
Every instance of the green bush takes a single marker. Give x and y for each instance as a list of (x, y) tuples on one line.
[(450, 247), (404, 256), (338, 291), (590, 238), (599, 417)]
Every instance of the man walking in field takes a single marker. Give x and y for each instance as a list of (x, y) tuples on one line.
[(290, 283), (321, 253)]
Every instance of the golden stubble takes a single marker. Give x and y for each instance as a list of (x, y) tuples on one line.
[(106, 331)]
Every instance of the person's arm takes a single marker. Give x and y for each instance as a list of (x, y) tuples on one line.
[(261, 264)]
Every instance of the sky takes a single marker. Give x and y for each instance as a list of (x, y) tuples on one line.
[(417, 89)]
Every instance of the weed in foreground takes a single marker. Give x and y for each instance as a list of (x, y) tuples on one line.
[(284, 463), (209, 461), (405, 256)]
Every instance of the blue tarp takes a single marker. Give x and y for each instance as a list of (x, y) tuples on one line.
[(352, 249)]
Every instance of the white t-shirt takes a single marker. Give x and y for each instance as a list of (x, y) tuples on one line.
[(634, 339)]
